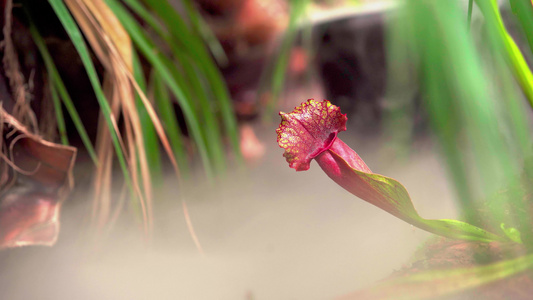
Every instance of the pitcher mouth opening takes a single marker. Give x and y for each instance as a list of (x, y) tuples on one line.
[(327, 144)]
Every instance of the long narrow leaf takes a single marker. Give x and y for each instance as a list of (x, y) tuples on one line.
[(168, 118), (465, 111), (59, 114), (524, 11), (77, 39), (193, 88), (150, 52), (514, 56), (202, 29), (298, 8), (151, 141), (60, 86), (205, 109), (438, 283), (196, 49)]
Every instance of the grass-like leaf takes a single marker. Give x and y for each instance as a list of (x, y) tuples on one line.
[(59, 114), (61, 89), (513, 54), (464, 105), (192, 85), (297, 11), (437, 283), (202, 29), (149, 50), (76, 37), (168, 118), (151, 141), (524, 11), (201, 77), (195, 48)]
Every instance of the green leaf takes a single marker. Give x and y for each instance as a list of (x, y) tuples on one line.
[(168, 118), (298, 8), (514, 57), (512, 233), (437, 283), (195, 49), (151, 141), (468, 95), (77, 39), (391, 196), (62, 90), (202, 29), (59, 114), (149, 50), (524, 11)]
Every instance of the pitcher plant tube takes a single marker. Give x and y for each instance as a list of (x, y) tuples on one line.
[(311, 131)]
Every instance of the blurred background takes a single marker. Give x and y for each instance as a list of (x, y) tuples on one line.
[(175, 187)]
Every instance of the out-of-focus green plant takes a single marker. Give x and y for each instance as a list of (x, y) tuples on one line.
[(182, 69), (475, 87), (279, 68), (197, 78), (471, 102), (434, 283)]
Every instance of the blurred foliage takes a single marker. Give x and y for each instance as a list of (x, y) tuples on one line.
[(430, 284), (277, 72), (159, 65), (470, 95), (475, 86)]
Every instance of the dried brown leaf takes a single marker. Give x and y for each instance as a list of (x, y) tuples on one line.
[(40, 178)]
